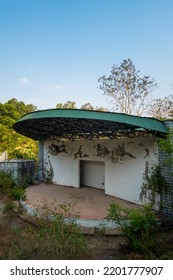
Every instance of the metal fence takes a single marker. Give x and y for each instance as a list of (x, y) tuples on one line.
[(19, 169)]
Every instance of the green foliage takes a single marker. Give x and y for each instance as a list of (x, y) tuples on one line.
[(166, 144), (16, 145), (6, 182), (17, 193), (155, 183), (26, 182), (9, 188), (28, 149), (139, 226), (68, 105), (21, 107), (167, 256), (58, 240), (9, 206), (86, 106)]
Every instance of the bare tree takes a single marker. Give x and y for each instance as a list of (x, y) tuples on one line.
[(128, 92), (162, 108)]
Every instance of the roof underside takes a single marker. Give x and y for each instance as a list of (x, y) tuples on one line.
[(77, 124)]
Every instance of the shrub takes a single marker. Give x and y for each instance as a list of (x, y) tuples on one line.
[(9, 188), (24, 182), (139, 226), (17, 193), (6, 182)]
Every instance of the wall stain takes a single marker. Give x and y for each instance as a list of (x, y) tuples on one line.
[(114, 158), (147, 153), (85, 155), (56, 149), (119, 153), (48, 172), (80, 154), (146, 172), (143, 196), (102, 151)]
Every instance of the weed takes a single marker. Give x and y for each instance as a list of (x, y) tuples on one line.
[(9, 207), (139, 226), (100, 230), (167, 256), (17, 193)]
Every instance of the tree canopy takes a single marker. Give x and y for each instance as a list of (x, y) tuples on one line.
[(128, 92), (21, 107), (16, 145), (67, 105), (72, 105)]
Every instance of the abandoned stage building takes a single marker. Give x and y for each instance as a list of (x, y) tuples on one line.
[(109, 151)]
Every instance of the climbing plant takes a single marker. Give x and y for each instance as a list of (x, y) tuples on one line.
[(154, 184)]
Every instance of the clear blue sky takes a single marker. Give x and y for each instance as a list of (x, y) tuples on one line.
[(52, 51)]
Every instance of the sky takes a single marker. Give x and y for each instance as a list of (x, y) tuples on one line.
[(52, 51)]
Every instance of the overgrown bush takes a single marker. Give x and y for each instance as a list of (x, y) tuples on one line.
[(17, 193), (9, 187), (24, 182), (139, 226), (6, 182)]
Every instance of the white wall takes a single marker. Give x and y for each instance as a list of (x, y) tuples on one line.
[(126, 162)]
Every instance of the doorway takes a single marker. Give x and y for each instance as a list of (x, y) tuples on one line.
[(92, 174)]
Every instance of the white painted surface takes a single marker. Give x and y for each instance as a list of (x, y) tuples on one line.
[(125, 161), (92, 174)]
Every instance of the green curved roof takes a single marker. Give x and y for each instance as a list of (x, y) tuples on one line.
[(69, 123)]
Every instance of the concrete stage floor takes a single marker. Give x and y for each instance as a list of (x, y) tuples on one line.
[(86, 202)]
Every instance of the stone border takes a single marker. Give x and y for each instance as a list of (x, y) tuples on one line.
[(89, 226)]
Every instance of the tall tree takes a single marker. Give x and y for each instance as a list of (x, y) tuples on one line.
[(21, 107), (16, 145), (128, 92), (162, 108)]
